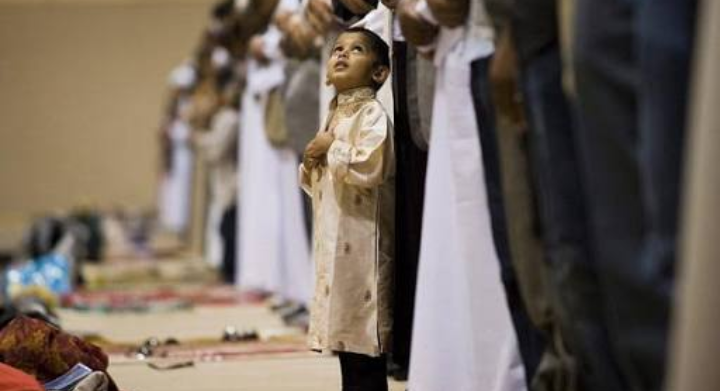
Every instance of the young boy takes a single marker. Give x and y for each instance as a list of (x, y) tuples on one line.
[(348, 169)]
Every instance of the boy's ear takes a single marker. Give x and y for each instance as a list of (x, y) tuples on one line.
[(380, 74)]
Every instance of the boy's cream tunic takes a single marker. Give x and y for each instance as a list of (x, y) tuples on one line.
[(353, 205)]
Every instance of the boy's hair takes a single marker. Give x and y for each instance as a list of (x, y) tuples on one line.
[(377, 45)]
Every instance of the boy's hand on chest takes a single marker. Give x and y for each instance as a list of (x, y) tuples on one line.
[(319, 146)]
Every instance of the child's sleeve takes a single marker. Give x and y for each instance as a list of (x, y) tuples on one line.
[(360, 162)]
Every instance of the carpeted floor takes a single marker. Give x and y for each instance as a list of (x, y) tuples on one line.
[(277, 361), (314, 373)]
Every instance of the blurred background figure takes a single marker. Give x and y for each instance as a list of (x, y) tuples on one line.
[(176, 185)]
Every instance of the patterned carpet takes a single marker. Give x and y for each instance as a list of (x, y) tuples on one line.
[(129, 304)]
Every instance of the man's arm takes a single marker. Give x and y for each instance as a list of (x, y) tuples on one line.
[(450, 13), (417, 30)]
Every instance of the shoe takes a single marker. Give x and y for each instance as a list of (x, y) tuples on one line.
[(299, 320)]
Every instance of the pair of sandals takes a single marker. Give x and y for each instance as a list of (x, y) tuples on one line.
[(231, 334), (150, 346)]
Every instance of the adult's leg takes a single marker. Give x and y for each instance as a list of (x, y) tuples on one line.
[(606, 76), (410, 190), (228, 229), (530, 340), (572, 279), (665, 40)]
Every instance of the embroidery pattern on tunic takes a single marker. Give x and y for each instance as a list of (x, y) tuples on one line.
[(353, 197)]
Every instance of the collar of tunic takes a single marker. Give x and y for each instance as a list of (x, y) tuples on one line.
[(355, 95), (347, 103)]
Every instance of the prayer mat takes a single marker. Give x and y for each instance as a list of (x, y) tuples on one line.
[(245, 340), (197, 351), (159, 299), (145, 272)]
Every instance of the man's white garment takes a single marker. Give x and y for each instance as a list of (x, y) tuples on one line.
[(177, 184), (462, 323), (215, 146), (273, 245)]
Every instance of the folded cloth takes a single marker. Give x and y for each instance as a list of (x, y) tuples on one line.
[(46, 352), (69, 380), (12, 379), (96, 381)]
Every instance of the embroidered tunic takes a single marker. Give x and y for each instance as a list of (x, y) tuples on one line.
[(353, 208)]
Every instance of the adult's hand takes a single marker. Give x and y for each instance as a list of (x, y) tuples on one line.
[(392, 4), (282, 20), (319, 14), (358, 7), (263, 10), (299, 40), (255, 17), (450, 13), (504, 76), (417, 31), (257, 48)]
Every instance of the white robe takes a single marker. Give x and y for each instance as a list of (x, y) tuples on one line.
[(177, 185), (273, 244), (462, 324), (215, 146)]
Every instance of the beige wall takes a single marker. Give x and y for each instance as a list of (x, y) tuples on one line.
[(81, 90)]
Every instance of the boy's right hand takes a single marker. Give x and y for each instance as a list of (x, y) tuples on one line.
[(310, 163), (317, 149), (319, 146)]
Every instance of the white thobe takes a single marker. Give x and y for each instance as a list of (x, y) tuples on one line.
[(462, 324), (215, 146), (273, 242), (177, 184)]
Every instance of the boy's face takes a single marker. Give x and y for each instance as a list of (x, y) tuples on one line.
[(353, 64)]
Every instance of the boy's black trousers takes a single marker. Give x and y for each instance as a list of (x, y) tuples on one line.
[(363, 373)]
